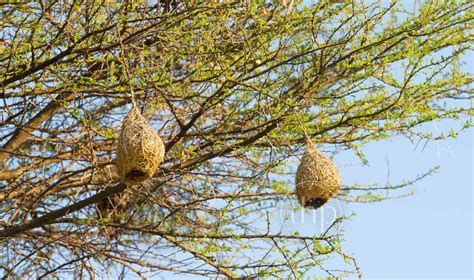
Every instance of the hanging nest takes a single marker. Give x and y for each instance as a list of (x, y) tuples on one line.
[(317, 179), (140, 149)]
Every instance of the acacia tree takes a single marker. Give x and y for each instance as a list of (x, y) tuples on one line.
[(232, 88)]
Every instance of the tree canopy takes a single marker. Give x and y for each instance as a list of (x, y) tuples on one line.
[(232, 88)]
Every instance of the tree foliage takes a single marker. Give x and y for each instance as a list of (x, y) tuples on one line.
[(232, 88)]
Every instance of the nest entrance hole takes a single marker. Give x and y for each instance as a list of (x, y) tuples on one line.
[(315, 203), (135, 174)]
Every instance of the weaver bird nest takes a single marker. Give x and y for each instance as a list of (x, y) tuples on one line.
[(317, 179), (140, 149)]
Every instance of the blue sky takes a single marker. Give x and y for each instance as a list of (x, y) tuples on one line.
[(429, 234), (426, 235)]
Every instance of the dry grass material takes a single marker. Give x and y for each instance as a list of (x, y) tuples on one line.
[(140, 149), (317, 179)]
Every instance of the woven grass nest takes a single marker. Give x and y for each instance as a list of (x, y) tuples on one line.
[(140, 149), (317, 179)]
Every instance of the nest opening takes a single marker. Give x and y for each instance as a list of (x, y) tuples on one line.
[(315, 203), (134, 175)]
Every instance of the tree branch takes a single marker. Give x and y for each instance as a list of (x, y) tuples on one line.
[(35, 223)]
